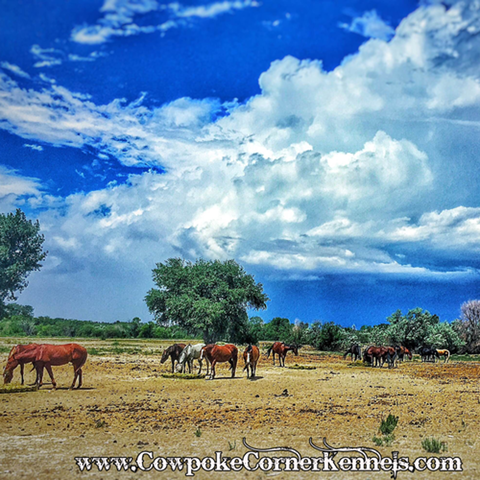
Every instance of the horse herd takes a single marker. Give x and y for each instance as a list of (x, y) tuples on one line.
[(44, 356), (184, 355), (378, 356)]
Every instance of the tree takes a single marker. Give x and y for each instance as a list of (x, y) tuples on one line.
[(210, 298), (20, 253), (468, 326)]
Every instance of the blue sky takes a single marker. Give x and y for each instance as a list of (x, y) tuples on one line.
[(329, 147)]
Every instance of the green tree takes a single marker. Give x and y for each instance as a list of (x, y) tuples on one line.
[(411, 330), (20, 253), (210, 298)]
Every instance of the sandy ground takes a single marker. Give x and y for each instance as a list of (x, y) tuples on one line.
[(125, 407)]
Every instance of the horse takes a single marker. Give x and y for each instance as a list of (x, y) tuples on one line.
[(250, 357), (188, 355), (374, 356), (173, 351), (428, 354), (355, 351), (18, 349), (44, 356), (281, 350), (218, 354), (402, 351), (443, 353), (390, 356)]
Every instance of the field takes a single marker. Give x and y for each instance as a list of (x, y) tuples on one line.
[(125, 407)]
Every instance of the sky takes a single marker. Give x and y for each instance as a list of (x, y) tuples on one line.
[(329, 147)]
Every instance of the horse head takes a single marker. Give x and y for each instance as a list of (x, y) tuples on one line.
[(165, 354), (295, 349)]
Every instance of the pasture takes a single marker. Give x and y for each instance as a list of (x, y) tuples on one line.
[(126, 406)]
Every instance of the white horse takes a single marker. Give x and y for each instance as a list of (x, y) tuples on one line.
[(188, 355)]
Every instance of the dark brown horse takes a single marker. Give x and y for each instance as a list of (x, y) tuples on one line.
[(15, 350), (46, 356), (173, 351), (219, 354), (355, 351), (281, 350), (250, 357)]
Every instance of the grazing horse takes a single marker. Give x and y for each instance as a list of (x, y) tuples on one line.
[(188, 355), (374, 356), (250, 357), (355, 351), (219, 354), (281, 350), (443, 353), (402, 351), (15, 350), (428, 354), (173, 351), (44, 356)]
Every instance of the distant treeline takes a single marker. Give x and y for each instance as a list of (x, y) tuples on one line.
[(413, 330)]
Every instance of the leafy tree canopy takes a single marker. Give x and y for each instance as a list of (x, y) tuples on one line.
[(207, 297), (20, 253)]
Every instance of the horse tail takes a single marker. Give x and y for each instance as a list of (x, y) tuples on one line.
[(268, 351)]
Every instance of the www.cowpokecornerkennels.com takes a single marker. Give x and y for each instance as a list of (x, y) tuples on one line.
[(350, 459)]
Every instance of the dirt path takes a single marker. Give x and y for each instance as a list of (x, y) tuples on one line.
[(127, 407)]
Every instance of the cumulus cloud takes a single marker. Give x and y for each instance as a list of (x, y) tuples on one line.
[(321, 172)]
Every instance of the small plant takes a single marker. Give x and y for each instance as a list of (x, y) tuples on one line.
[(386, 429), (198, 432), (388, 426), (432, 445), (100, 423), (232, 446)]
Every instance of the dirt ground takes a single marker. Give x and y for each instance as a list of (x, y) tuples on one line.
[(125, 407)]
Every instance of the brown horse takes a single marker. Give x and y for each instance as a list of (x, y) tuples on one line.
[(402, 351), (173, 351), (250, 357), (443, 353), (219, 354), (44, 356), (15, 350), (281, 350), (374, 355)]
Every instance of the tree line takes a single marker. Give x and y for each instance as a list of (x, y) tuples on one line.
[(415, 329)]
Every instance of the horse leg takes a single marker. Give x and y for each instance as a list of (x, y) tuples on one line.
[(173, 364), (200, 369), (234, 366), (50, 373), (21, 371), (79, 371), (212, 371), (39, 368)]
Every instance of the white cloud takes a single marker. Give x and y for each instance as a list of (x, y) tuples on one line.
[(15, 69), (46, 57), (38, 148), (370, 25), (119, 18), (320, 172), (14, 187)]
